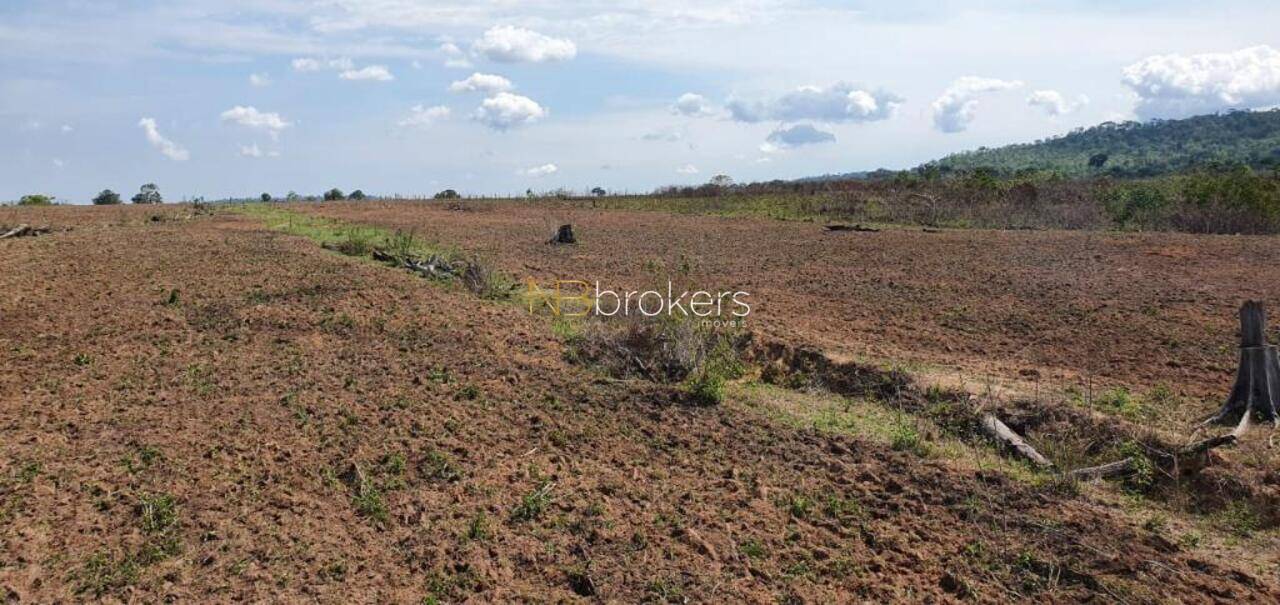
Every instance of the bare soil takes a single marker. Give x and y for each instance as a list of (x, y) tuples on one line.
[(280, 392), (1071, 307)]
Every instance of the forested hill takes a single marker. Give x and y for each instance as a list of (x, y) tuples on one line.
[(1139, 149)]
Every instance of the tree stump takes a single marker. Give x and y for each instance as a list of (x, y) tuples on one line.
[(564, 235), (1256, 394)]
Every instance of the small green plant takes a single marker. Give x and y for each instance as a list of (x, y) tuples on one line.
[(102, 574), (798, 506), (82, 359), (158, 512), (1240, 519), (1144, 470), (1120, 401), (906, 438), (533, 504), (478, 528), (753, 549), (438, 466), (369, 502)]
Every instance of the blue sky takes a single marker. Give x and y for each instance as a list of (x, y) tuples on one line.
[(234, 98)]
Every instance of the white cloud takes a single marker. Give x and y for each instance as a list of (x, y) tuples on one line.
[(687, 169), (509, 44), (541, 171), (1174, 86), (260, 80), (796, 136), (692, 104), (58, 162), (250, 117), (375, 73), (507, 110), (955, 109), (66, 128), (421, 116), (166, 147), (453, 56), (309, 64), (485, 83), (250, 151), (1054, 103), (840, 102)]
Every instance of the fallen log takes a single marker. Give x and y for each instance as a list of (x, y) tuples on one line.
[(24, 230), (1000, 432), (1104, 471), (853, 227)]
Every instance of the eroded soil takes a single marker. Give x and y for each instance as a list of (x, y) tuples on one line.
[(330, 429)]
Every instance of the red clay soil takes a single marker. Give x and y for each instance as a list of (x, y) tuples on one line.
[(1071, 307), (274, 389)]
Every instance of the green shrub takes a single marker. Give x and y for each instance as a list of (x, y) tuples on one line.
[(36, 199)]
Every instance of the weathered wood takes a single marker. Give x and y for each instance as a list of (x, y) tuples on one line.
[(1104, 471), (1000, 432), (1256, 392), (18, 231), (854, 227)]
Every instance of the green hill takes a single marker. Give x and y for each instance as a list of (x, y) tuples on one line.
[(1133, 149)]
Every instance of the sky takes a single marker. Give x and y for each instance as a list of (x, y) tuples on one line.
[(234, 98)]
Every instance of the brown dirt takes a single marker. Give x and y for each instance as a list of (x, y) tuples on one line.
[(244, 372), (1069, 307)]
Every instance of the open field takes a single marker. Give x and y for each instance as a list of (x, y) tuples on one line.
[(201, 405), (1063, 307)]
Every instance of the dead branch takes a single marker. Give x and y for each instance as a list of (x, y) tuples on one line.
[(25, 230), (854, 227), (1000, 432), (1104, 471)]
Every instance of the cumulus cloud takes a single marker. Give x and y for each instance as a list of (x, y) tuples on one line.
[(796, 136), (166, 147), (840, 102), (251, 151), (260, 80), (955, 109), (453, 56), (306, 64), (421, 116), (509, 44), (1054, 104), (373, 73), (693, 105), (687, 169), (66, 128), (506, 110), (486, 83), (1175, 86), (250, 117), (541, 171)]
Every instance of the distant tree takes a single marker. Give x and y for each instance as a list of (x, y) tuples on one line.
[(266, 197), (599, 192), (1097, 160), (292, 196), (722, 180), (36, 199), (356, 195), (334, 195), (447, 194), (529, 193), (106, 198), (148, 194)]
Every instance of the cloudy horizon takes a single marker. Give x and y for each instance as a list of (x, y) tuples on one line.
[(233, 98)]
